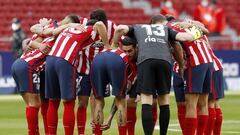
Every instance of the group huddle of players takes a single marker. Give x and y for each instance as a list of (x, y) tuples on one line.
[(93, 58)]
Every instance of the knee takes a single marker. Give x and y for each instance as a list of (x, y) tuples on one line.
[(83, 102), (163, 99)]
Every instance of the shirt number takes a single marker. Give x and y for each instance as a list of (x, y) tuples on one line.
[(157, 30)]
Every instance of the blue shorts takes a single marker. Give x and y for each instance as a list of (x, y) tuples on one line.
[(108, 67), (178, 87), (84, 88), (198, 79), (27, 79), (217, 85), (60, 79)]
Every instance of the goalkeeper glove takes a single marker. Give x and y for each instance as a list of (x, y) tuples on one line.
[(195, 32)]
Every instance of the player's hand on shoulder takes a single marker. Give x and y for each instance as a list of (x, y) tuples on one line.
[(45, 21)]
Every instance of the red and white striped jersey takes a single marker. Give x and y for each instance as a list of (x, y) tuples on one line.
[(197, 51), (34, 37), (119, 52), (71, 41), (83, 21), (87, 54), (111, 26), (176, 66), (36, 58), (132, 72), (217, 64)]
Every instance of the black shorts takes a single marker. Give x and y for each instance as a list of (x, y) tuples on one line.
[(154, 77)]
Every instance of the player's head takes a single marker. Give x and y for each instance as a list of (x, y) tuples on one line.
[(170, 18), (158, 19), (91, 22), (70, 19), (130, 48), (100, 15)]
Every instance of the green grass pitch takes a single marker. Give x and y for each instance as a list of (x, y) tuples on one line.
[(13, 122)]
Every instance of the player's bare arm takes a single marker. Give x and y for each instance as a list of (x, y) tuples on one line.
[(119, 32), (191, 34), (25, 45), (178, 55), (58, 30), (39, 28), (100, 28), (189, 24)]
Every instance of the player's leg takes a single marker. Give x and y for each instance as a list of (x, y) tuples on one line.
[(203, 99), (154, 111), (211, 117), (117, 71), (202, 113), (211, 107), (99, 80), (28, 84), (131, 109), (44, 101), (52, 92), (67, 80), (190, 123), (83, 97), (146, 86), (163, 81), (220, 94), (121, 115), (194, 84), (219, 119), (178, 86)]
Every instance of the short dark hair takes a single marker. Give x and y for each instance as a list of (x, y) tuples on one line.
[(127, 41), (157, 18), (91, 22), (74, 18), (100, 15), (170, 18)]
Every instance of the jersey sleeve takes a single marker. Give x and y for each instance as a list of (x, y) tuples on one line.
[(131, 32), (171, 34)]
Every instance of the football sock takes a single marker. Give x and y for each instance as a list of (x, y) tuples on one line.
[(211, 121), (122, 130), (44, 108), (32, 120), (202, 123), (69, 117), (190, 126), (52, 116), (131, 120), (81, 119), (97, 130), (154, 112), (218, 123), (164, 117), (147, 119), (181, 115)]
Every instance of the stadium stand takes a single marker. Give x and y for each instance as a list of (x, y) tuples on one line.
[(31, 11)]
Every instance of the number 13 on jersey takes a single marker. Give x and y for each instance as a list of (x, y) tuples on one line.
[(155, 29)]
